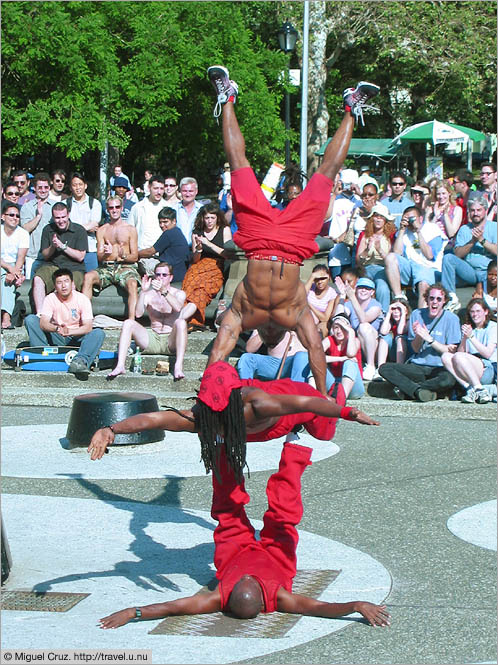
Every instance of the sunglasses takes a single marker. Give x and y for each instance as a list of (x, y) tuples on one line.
[(487, 172), (12, 214), (12, 194), (320, 279), (169, 184), (59, 180), (397, 184), (113, 207), (162, 274), (368, 196), (435, 298)]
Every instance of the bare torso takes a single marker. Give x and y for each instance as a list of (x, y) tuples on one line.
[(122, 237), (161, 314)]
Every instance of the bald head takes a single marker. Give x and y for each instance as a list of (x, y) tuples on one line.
[(246, 599)]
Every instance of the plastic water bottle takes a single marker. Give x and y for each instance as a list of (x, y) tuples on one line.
[(272, 179), (137, 361)]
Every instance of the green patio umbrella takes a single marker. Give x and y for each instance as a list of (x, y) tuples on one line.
[(436, 132)]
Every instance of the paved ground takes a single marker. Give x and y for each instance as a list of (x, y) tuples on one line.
[(379, 508)]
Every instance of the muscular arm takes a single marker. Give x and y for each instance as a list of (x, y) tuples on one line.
[(166, 420), (266, 406), (294, 603), (226, 339), (201, 603)]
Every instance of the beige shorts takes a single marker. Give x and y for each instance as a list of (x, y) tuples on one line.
[(158, 344)]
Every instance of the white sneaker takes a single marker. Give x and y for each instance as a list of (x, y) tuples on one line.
[(453, 304), (377, 376), (368, 372), (482, 396), (470, 395)]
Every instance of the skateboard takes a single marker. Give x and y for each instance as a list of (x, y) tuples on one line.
[(53, 358)]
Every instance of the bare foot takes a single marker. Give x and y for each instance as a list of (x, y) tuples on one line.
[(115, 372), (178, 373)]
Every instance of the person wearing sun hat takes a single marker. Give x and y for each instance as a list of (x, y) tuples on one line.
[(374, 244)]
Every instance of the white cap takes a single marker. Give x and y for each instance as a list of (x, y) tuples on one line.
[(349, 176)]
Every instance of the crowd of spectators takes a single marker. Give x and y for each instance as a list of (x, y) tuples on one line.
[(387, 246)]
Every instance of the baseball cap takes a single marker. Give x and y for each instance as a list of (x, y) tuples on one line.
[(365, 282)]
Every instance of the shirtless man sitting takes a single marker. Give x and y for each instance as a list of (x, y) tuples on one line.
[(117, 253), (168, 333), (277, 241)]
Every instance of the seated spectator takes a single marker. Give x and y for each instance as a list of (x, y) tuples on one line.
[(35, 215), (366, 177), (87, 211), (397, 200), (286, 349), (420, 194), (58, 181), (117, 172), (417, 255), (122, 187), (66, 319), (321, 297), (393, 332), (349, 276), (474, 362), (373, 246), (171, 246), (22, 181), (475, 247), (365, 314), (14, 247), (443, 211), (171, 194), (168, 332), (463, 181), (343, 206), (432, 331), (293, 186), (10, 194), (144, 217), (343, 354), (358, 221), (117, 253), (487, 288), (187, 208), (204, 278), (488, 188), (63, 245)]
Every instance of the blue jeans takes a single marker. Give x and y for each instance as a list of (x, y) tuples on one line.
[(259, 366), (415, 273), (382, 290), (89, 344), (352, 371), (90, 261), (458, 271)]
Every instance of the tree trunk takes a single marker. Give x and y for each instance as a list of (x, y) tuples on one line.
[(318, 115)]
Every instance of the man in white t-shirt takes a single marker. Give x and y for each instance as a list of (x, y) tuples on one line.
[(87, 211), (342, 211), (144, 216), (66, 319), (14, 247), (417, 255)]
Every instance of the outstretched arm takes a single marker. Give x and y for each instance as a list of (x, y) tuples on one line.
[(266, 406), (167, 420), (201, 603), (293, 603)]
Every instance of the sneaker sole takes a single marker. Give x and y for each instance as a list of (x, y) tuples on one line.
[(426, 396)]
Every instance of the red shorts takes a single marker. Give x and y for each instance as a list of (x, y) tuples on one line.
[(288, 233)]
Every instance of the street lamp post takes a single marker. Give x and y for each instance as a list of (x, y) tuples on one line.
[(287, 37)]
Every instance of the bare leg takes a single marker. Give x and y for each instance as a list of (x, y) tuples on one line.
[(392, 273), (89, 280), (233, 141), (227, 337), (132, 288), (469, 368), (421, 288), (400, 350), (347, 384), (177, 343), (337, 150), (368, 340), (188, 311), (131, 329), (382, 351), (39, 293), (310, 338)]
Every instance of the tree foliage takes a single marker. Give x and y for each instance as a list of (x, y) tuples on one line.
[(78, 74)]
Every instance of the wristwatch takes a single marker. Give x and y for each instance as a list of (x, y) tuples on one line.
[(138, 613), (64, 247)]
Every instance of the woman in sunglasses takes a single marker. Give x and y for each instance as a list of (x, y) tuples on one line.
[(14, 244), (321, 297)]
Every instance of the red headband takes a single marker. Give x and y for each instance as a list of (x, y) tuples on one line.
[(217, 383)]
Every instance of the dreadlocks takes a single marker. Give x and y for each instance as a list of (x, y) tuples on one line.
[(222, 428)]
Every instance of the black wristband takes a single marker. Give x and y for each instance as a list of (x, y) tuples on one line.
[(138, 613)]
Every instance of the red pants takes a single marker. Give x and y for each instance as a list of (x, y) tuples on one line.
[(272, 559), (289, 233)]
